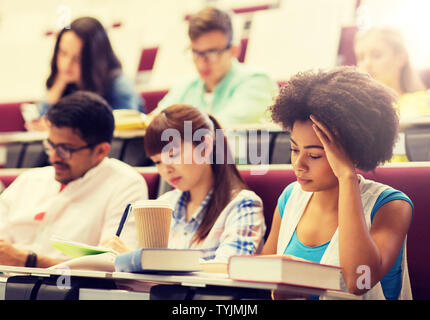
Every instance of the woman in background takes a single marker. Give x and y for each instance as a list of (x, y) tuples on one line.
[(83, 59), (213, 209), (381, 51)]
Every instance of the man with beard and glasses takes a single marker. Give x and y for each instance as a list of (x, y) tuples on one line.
[(81, 197)]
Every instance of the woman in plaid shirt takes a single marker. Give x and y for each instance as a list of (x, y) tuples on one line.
[(213, 209)]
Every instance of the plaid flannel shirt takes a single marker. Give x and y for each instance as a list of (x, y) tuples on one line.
[(239, 229)]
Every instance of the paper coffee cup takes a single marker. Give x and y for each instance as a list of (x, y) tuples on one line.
[(152, 219)]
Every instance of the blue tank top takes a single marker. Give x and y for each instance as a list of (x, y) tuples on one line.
[(391, 282)]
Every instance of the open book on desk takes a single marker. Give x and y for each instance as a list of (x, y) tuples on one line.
[(76, 249), (97, 262), (153, 260), (8, 271), (84, 257)]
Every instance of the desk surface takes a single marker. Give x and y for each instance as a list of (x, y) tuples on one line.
[(34, 136), (24, 136), (405, 123), (130, 280)]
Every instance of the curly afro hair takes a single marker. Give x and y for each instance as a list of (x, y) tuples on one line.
[(356, 109)]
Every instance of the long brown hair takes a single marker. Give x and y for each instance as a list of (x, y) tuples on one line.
[(99, 64), (227, 179)]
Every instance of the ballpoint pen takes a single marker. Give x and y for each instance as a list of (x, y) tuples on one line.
[(123, 220)]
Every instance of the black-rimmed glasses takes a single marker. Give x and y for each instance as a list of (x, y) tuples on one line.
[(63, 151), (210, 55)]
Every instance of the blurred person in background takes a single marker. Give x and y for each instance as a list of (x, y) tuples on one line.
[(382, 52), (235, 93), (83, 59)]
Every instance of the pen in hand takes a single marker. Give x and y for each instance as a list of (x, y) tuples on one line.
[(123, 220)]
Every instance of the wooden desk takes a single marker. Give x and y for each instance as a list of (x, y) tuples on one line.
[(22, 137), (33, 136), (130, 280), (411, 122), (37, 136), (25, 148)]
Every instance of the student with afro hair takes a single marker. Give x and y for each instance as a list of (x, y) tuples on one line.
[(341, 121)]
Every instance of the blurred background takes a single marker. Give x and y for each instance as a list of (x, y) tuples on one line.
[(149, 37)]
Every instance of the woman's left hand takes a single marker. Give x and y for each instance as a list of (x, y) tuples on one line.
[(337, 157)]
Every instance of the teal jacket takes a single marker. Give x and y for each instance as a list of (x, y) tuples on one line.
[(241, 97)]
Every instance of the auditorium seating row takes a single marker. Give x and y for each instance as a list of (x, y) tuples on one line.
[(11, 118), (268, 183), (417, 140), (276, 149), (131, 150)]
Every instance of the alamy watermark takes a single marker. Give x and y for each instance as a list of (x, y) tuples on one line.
[(64, 17), (206, 146), (364, 280), (64, 281)]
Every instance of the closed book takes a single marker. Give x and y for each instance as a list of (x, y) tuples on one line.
[(284, 270), (159, 260), (126, 119)]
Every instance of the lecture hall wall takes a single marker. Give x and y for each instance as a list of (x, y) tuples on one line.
[(27, 33)]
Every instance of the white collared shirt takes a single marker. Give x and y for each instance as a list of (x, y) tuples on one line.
[(87, 210)]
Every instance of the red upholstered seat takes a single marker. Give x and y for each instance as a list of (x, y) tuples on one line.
[(11, 118), (415, 183), (346, 46), (243, 46), (151, 176), (147, 59), (7, 179), (152, 180), (252, 8), (152, 98), (269, 187)]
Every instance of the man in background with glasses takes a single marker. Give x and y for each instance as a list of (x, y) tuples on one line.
[(81, 197), (233, 92)]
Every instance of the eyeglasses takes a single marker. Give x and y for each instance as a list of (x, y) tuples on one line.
[(211, 55), (63, 151)]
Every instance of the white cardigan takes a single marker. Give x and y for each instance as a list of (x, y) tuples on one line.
[(296, 204)]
